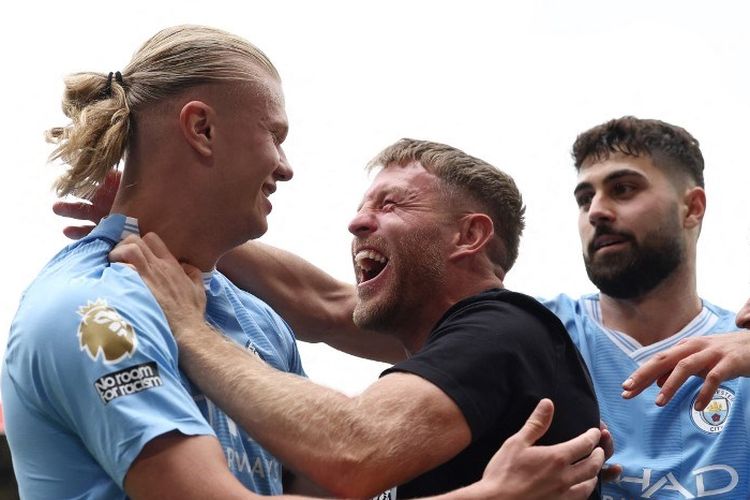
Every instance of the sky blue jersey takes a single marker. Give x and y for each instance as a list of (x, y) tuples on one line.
[(669, 452), (91, 374)]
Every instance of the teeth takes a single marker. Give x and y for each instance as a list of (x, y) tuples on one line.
[(369, 254)]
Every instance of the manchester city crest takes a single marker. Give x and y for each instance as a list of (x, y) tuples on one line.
[(713, 418)]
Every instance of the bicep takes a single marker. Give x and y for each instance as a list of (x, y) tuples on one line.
[(177, 466), (420, 425)]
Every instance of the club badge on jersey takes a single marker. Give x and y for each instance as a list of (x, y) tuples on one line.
[(713, 418)]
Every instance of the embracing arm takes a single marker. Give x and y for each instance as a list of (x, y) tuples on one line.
[(351, 446), (175, 466), (317, 306), (401, 426)]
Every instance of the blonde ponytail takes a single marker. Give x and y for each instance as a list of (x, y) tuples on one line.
[(95, 140), (102, 109)]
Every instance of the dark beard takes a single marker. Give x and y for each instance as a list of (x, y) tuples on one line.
[(639, 269)]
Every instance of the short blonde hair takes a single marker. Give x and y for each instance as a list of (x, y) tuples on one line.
[(468, 178), (101, 107)]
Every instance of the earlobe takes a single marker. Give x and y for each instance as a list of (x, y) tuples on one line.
[(197, 126), (695, 205), (474, 234)]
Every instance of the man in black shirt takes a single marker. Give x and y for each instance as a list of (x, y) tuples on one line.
[(433, 238)]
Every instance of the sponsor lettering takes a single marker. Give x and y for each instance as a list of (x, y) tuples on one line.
[(128, 381), (240, 462), (724, 478)]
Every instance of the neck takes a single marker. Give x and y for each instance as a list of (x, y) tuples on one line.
[(659, 313), (184, 223), (415, 330)]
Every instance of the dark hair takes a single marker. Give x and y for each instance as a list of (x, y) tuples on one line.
[(668, 145)]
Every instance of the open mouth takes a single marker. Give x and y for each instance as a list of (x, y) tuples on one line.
[(368, 264)]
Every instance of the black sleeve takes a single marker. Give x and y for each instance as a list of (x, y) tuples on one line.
[(490, 357)]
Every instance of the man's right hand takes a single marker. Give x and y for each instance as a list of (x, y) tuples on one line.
[(566, 470), (94, 210)]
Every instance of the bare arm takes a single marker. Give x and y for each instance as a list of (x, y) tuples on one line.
[(174, 466), (350, 446), (317, 306)]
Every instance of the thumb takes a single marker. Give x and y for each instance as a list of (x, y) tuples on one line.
[(538, 422)]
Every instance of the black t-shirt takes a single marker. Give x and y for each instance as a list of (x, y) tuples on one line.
[(496, 354)]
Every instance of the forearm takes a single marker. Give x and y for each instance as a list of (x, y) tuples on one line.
[(317, 306), (350, 446)]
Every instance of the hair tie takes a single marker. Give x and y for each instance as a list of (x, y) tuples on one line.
[(108, 88)]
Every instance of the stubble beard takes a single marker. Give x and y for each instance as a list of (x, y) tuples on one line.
[(417, 273)]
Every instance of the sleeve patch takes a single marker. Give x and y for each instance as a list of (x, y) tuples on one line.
[(104, 331), (131, 380)]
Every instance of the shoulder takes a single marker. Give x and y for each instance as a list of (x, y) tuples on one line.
[(498, 312), (81, 307), (725, 318)]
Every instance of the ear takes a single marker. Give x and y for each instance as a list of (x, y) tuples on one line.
[(197, 126), (474, 232), (695, 207)]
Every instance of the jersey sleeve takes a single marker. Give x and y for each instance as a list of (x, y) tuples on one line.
[(98, 357), (474, 356)]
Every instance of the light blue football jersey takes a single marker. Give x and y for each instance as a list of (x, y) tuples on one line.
[(674, 451), (91, 374)]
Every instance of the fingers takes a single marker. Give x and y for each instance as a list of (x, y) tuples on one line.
[(75, 210), (606, 442), (711, 383), (655, 368), (610, 472), (77, 232), (134, 252), (538, 422), (581, 447), (691, 365), (580, 491), (157, 247), (584, 474), (588, 467)]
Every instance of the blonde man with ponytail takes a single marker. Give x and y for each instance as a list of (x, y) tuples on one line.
[(95, 404)]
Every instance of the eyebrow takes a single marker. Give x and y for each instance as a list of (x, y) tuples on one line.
[(397, 190), (617, 174)]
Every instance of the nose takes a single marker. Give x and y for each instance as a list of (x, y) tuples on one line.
[(363, 223), (600, 210), (284, 171)]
